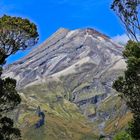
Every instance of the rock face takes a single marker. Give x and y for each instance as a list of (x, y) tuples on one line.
[(85, 61), (68, 52)]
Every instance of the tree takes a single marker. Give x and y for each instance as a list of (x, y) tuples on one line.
[(129, 84), (129, 13), (123, 135), (15, 34)]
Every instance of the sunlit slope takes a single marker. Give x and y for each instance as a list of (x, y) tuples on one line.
[(64, 120)]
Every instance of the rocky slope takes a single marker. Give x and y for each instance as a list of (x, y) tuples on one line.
[(77, 67), (68, 52)]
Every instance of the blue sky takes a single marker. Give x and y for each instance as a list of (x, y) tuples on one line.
[(49, 15)]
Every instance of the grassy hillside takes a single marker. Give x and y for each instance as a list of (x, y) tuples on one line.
[(64, 120)]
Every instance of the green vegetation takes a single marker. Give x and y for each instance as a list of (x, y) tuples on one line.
[(129, 84), (15, 34), (63, 121), (123, 135)]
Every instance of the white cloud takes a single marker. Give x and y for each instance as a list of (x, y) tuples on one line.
[(121, 39)]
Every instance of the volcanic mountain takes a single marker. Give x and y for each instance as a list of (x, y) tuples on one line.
[(70, 75)]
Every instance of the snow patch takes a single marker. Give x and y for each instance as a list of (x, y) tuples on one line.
[(71, 33), (72, 69), (101, 38), (119, 65)]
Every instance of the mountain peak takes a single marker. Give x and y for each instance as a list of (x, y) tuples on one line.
[(63, 52), (88, 30), (93, 31), (62, 29)]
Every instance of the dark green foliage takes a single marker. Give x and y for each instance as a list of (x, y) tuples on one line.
[(122, 136), (134, 128), (15, 34), (7, 132), (129, 13), (102, 137), (129, 85), (9, 98)]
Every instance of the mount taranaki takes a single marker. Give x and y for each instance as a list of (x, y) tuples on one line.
[(70, 77)]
